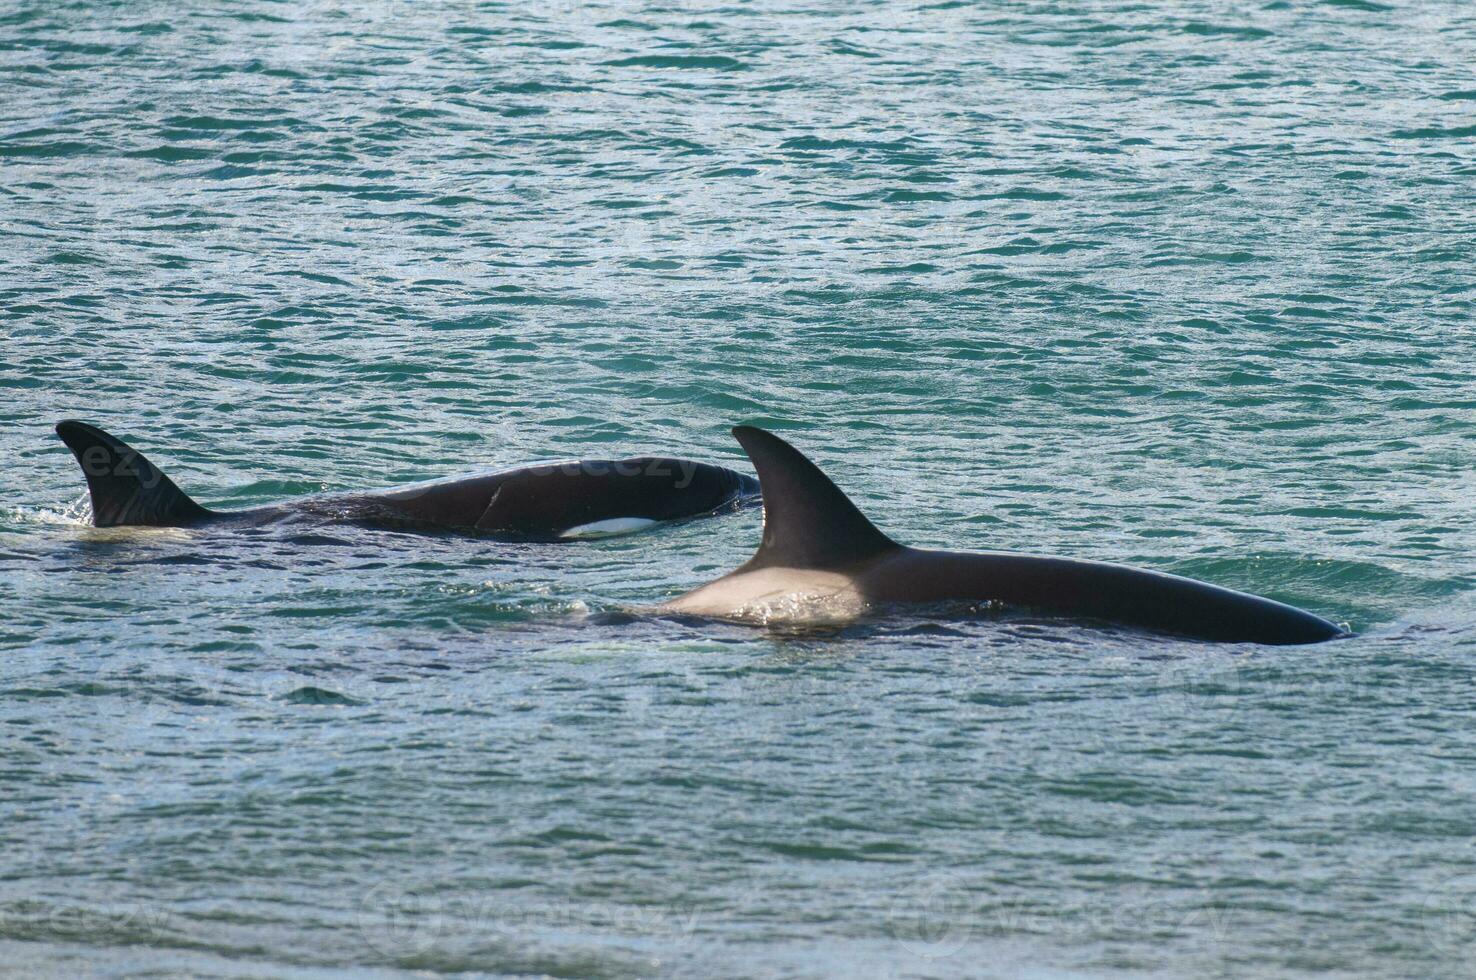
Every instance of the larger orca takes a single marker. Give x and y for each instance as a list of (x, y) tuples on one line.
[(556, 501), (821, 559)]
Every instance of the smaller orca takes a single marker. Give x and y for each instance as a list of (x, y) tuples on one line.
[(821, 560), (586, 498)]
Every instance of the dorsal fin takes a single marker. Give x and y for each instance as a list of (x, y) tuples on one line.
[(126, 488), (808, 521)]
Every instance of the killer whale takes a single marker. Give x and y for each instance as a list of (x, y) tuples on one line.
[(820, 558), (550, 502)]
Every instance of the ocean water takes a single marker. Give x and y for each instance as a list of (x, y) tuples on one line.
[(1188, 286)]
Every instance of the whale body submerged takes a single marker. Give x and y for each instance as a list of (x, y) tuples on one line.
[(821, 558), (558, 501)]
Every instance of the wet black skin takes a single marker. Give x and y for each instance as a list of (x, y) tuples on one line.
[(530, 503), (1096, 590), (810, 524), (541, 502)]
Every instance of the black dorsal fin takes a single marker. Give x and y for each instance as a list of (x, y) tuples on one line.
[(808, 521), (126, 488)]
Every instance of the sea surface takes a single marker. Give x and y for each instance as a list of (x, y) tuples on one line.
[(1188, 286)]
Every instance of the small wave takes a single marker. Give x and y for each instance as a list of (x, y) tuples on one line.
[(712, 62), (55, 148), (1225, 30), (169, 153), (319, 696), (1435, 132)]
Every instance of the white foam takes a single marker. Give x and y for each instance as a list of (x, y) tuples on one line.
[(78, 513)]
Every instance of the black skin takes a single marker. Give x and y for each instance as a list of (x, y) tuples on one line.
[(1089, 590), (531, 503), (809, 523), (538, 502)]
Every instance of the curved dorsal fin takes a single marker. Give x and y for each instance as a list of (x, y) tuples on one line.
[(126, 488), (808, 521)]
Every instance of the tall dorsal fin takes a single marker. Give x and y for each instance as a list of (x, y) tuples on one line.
[(808, 521), (126, 488)]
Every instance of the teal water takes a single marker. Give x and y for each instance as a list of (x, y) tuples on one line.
[(1187, 286)]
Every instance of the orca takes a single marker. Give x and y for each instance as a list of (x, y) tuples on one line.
[(821, 560), (560, 501)]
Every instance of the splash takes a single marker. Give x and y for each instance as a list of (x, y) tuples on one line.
[(77, 513)]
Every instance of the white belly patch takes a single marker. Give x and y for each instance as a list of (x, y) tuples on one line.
[(609, 528), (776, 595)]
